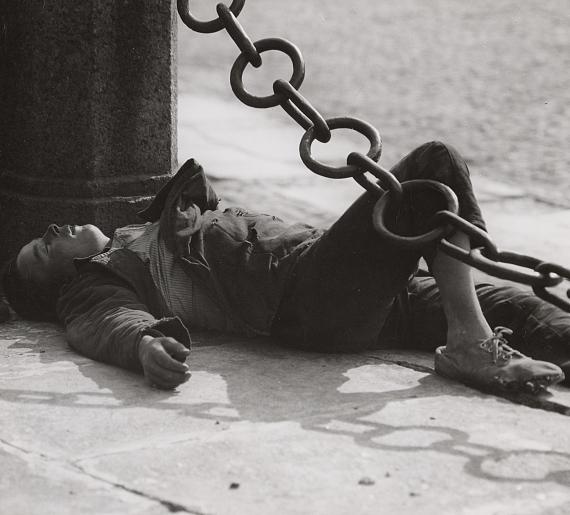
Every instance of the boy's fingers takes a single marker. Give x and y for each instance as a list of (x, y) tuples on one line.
[(181, 355), (164, 364), (167, 380), (175, 348), (164, 360), (167, 373)]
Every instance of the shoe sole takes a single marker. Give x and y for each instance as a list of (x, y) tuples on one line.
[(536, 385)]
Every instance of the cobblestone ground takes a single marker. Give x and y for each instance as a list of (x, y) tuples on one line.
[(491, 77)]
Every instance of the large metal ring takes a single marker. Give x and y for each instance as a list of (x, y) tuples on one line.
[(340, 172), (205, 27), (381, 211), (236, 74)]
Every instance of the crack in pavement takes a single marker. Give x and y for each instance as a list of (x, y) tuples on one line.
[(26, 451), (526, 399), (68, 466), (406, 364), (170, 505)]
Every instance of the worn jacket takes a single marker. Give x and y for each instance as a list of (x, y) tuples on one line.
[(244, 259)]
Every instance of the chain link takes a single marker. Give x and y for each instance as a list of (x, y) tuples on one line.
[(387, 180), (206, 27), (485, 256), (263, 45), (497, 268), (236, 32), (478, 237), (340, 172), (393, 196), (541, 291), (301, 110)]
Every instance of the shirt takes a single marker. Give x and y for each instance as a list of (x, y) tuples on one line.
[(182, 296)]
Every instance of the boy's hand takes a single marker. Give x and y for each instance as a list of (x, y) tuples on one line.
[(162, 359)]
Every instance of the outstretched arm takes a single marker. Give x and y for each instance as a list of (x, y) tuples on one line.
[(105, 320)]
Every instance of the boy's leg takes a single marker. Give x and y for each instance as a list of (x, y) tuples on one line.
[(473, 354), (465, 320), (540, 330), (345, 284)]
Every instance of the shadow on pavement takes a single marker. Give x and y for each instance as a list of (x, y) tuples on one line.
[(329, 394)]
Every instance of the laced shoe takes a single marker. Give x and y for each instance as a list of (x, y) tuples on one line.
[(492, 365)]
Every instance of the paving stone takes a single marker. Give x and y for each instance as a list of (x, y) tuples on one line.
[(292, 429)]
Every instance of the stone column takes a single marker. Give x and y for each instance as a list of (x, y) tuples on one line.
[(87, 112)]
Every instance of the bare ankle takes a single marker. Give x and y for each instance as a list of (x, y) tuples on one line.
[(461, 338)]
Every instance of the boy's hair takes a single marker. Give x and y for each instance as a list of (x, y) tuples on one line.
[(29, 299)]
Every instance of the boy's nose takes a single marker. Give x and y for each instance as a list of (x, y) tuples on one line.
[(51, 233)]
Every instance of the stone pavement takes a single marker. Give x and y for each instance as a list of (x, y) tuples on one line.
[(259, 429)]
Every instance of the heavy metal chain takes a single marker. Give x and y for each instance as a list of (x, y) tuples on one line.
[(390, 192)]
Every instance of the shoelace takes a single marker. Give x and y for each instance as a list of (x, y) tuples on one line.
[(496, 344)]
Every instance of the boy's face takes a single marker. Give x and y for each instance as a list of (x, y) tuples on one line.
[(52, 255)]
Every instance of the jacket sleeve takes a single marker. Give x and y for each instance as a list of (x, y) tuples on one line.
[(105, 320)]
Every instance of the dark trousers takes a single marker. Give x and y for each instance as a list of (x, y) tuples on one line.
[(341, 296)]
